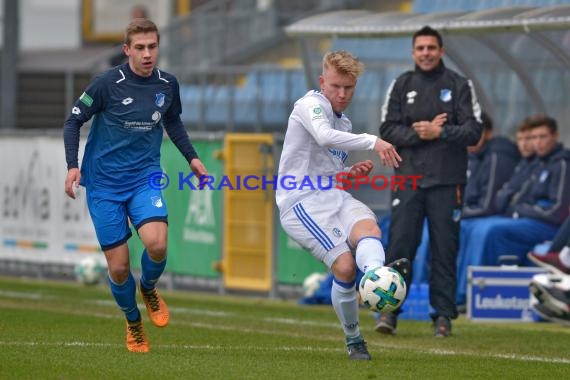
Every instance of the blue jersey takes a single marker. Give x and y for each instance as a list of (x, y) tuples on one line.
[(129, 113)]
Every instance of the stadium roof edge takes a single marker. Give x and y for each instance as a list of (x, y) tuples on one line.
[(364, 23)]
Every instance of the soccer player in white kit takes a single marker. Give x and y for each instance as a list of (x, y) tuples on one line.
[(326, 220)]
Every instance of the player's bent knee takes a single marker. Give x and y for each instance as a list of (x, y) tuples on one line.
[(365, 228), (119, 273), (154, 236), (156, 250), (344, 268)]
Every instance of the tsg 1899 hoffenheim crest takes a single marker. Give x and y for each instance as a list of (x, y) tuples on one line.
[(445, 95), (159, 99)]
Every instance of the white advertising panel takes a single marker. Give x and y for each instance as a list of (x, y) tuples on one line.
[(38, 222)]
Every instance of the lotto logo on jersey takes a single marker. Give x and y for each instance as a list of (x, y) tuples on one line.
[(317, 113)]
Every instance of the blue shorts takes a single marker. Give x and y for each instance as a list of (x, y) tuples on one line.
[(111, 213)]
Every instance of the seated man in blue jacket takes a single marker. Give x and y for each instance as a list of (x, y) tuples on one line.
[(534, 203), (541, 206), (491, 164), (536, 211), (522, 171)]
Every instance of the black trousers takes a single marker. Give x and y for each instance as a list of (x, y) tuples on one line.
[(441, 205)]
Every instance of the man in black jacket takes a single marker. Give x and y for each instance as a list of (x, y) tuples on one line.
[(431, 115)]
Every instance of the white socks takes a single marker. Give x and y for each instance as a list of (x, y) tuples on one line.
[(345, 305), (369, 253)]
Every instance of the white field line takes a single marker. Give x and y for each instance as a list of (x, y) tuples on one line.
[(20, 295), (194, 347), (384, 346), (173, 346), (213, 326), (225, 314)]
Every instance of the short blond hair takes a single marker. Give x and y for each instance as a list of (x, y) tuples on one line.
[(343, 62)]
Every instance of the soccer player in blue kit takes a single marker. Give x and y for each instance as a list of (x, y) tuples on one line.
[(130, 105)]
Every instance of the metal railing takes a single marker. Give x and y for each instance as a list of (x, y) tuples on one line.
[(215, 33), (219, 33), (224, 31)]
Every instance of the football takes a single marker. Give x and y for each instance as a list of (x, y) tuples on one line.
[(90, 270), (382, 289)]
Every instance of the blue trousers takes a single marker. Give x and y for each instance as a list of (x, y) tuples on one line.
[(484, 240)]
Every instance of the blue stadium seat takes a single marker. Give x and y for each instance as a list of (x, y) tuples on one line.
[(190, 97), (267, 97), (375, 49), (274, 89), (299, 86), (245, 111), (424, 6), (217, 104)]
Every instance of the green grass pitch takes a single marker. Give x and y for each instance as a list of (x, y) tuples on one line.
[(57, 330)]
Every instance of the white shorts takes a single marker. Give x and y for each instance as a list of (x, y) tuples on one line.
[(321, 223)]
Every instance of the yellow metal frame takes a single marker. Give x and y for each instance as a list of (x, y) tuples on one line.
[(88, 16), (248, 214), (89, 34)]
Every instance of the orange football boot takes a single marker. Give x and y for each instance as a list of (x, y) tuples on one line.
[(155, 307), (136, 340)]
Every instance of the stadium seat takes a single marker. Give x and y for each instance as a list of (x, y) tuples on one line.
[(190, 97)]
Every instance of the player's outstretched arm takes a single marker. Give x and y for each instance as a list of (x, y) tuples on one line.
[(387, 153)]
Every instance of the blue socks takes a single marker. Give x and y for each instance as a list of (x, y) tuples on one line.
[(150, 271), (125, 293), (125, 296)]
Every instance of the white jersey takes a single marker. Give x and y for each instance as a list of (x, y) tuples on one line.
[(315, 149)]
